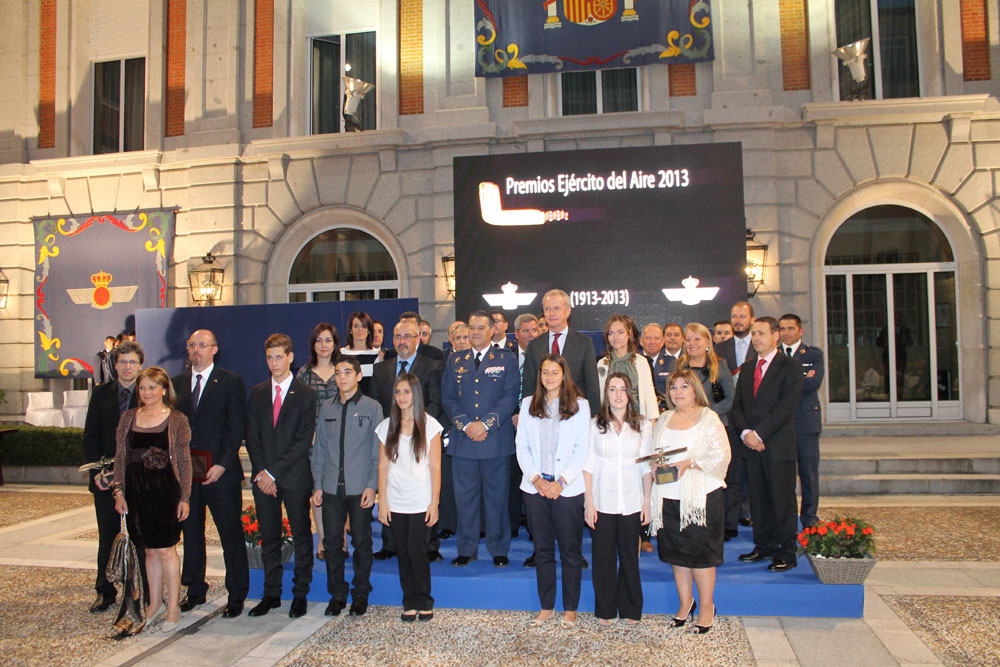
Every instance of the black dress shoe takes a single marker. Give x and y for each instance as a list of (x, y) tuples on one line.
[(266, 604), (359, 607), (233, 609), (434, 556), (752, 557), (513, 534), (445, 534), (190, 602), (102, 603), (500, 561), (730, 534), (424, 616), (383, 554), (530, 561), (703, 629), (407, 618), (586, 565), (334, 608), (297, 608), (462, 561), (745, 521), (781, 565)]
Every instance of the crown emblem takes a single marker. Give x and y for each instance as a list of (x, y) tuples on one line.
[(101, 279)]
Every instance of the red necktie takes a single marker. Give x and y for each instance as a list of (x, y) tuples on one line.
[(758, 375), (555, 343), (277, 403)]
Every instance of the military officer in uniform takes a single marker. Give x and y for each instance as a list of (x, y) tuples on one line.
[(479, 393)]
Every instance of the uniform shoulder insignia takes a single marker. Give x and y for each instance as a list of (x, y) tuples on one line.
[(491, 355)]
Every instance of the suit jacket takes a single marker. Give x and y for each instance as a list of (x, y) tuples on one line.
[(509, 344), (579, 354), (572, 447), (487, 394), (771, 413), (809, 418), (427, 370), (102, 421), (283, 448), (219, 423), (435, 353), (727, 350)]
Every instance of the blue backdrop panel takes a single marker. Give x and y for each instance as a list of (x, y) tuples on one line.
[(242, 330)]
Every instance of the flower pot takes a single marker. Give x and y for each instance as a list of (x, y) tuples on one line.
[(841, 570), (256, 559)]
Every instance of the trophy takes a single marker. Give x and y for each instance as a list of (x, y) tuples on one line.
[(105, 466), (662, 473)]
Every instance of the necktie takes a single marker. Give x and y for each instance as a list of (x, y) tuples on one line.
[(555, 343), (277, 404), (788, 351), (402, 368), (758, 375), (196, 394), (520, 374), (122, 401), (479, 357)]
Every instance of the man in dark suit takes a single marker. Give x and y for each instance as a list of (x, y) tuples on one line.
[(214, 400), (479, 394), (281, 420), (108, 402), (767, 398), (575, 347), (809, 418), (427, 350), (408, 359), (499, 333), (104, 362), (738, 349)]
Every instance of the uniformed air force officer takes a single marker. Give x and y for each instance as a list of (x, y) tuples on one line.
[(479, 392), (809, 418)]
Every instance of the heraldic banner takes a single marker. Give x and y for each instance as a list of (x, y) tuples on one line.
[(91, 274), (515, 37)]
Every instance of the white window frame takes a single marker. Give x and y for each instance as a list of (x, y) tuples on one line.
[(341, 287), (340, 81), (121, 100), (599, 93)]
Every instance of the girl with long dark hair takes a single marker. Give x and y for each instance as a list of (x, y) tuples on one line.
[(359, 344)]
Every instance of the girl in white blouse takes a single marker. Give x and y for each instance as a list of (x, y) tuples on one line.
[(409, 485), (617, 500)]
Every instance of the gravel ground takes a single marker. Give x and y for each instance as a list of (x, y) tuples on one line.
[(959, 630), (463, 637), (950, 533), (17, 506)]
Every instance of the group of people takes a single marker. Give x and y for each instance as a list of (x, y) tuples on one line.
[(653, 439)]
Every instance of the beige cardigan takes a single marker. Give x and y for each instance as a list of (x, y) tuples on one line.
[(179, 438)]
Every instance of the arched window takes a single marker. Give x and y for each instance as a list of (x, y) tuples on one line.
[(343, 264), (892, 321)]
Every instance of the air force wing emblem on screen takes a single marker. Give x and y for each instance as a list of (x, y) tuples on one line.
[(510, 299), (690, 294), (102, 296)]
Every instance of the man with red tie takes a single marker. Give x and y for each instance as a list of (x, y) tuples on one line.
[(767, 398)]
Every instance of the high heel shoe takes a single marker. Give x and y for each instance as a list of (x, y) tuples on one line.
[(679, 622), (703, 629)]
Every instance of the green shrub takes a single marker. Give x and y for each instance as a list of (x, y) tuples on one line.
[(42, 446)]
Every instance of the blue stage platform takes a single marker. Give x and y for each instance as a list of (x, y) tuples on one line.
[(742, 589)]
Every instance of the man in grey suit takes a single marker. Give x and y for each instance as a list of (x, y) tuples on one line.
[(575, 347)]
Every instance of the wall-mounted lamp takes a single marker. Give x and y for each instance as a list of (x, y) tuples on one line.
[(206, 281), (4, 289), (354, 91), (756, 260), (853, 56), (448, 264)]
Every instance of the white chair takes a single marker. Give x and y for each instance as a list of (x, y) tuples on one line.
[(42, 411), (75, 407)]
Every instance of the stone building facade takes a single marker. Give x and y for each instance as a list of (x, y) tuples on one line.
[(227, 139)]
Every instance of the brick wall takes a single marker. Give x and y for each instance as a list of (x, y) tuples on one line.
[(176, 66), (47, 75), (975, 43), (794, 44), (682, 80), (263, 63), (515, 91), (411, 57)]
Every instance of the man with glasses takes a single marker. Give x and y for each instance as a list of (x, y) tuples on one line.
[(107, 403), (213, 399)]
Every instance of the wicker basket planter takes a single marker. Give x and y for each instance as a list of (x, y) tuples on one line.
[(257, 561), (841, 570)]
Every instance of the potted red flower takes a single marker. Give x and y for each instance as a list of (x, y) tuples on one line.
[(840, 551), (252, 537)]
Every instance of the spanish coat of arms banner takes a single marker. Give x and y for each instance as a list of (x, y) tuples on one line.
[(515, 37), (91, 274)]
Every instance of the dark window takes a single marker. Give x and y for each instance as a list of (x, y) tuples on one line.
[(334, 56), (619, 91), (342, 255), (888, 235), (119, 105), (893, 32)]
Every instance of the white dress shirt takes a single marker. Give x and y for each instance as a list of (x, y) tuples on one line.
[(742, 347), (204, 377), (617, 478)]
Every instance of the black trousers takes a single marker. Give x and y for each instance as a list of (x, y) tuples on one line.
[(772, 505), (735, 489), (335, 510), (447, 512), (514, 495), (551, 521), (296, 503), (225, 499), (808, 446), (615, 559), (414, 568), (109, 523)]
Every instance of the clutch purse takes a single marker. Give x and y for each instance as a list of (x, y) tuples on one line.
[(201, 462)]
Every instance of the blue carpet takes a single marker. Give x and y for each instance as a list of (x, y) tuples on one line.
[(742, 589)]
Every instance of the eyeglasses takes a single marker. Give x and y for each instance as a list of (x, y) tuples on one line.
[(200, 346), (403, 337), (128, 362)]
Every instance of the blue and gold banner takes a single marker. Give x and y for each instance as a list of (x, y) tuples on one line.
[(517, 37), (91, 274)]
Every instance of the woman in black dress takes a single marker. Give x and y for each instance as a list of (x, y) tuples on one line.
[(153, 485)]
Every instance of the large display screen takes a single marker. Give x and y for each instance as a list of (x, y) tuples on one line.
[(657, 233)]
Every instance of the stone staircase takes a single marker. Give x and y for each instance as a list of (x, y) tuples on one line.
[(890, 476)]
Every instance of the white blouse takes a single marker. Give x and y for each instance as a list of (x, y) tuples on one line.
[(409, 485), (617, 478)]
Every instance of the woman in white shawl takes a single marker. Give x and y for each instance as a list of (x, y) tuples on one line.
[(688, 513)]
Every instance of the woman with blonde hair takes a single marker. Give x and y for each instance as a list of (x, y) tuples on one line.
[(716, 378)]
